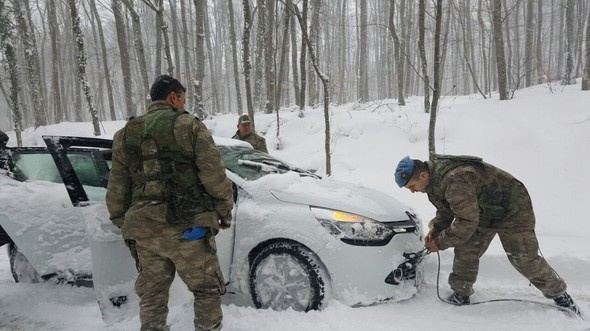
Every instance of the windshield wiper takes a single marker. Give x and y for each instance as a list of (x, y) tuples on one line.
[(261, 164)]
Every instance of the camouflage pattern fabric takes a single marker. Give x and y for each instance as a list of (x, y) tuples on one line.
[(197, 265), (474, 202), (147, 219), (257, 142), (159, 245)]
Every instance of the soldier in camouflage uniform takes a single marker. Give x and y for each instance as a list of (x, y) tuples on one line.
[(246, 133), (167, 178), (474, 202)]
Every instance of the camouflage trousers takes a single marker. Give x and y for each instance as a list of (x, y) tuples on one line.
[(517, 235), (197, 265)]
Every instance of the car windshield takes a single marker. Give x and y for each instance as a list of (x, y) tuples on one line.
[(251, 164)]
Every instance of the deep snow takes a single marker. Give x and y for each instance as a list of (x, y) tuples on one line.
[(542, 137)]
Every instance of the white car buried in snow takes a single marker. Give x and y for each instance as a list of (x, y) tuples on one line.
[(296, 240)]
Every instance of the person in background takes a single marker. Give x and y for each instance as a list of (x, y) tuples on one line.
[(246, 133), (475, 201), (169, 195)]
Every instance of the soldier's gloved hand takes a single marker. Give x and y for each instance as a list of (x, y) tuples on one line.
[(194, 233), (225, 224)]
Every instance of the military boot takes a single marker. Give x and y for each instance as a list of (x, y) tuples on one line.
[(566, 301), (458, 299)]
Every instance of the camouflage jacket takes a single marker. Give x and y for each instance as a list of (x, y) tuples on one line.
[(258, 142), (468, 195), (147, 219)]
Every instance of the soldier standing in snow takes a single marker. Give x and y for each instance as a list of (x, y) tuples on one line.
[(169, 194), (474, 202), (246, 133)]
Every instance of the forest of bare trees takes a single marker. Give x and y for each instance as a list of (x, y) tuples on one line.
[(93, 60)]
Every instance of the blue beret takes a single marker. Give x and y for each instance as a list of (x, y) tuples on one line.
[(404, 171)]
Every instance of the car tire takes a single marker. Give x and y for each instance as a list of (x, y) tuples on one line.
[(287, 275), (22, 270)]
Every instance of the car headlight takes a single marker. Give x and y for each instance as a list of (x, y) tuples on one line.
[(358, 230)]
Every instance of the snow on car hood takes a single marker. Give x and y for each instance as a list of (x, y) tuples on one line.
[(328, 193)]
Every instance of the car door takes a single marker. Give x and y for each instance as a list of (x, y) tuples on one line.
[(113, 268), (40, 219)]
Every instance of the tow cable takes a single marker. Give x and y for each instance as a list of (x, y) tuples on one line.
[(407, 270)]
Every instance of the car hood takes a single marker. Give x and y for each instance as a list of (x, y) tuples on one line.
[(346, 197)]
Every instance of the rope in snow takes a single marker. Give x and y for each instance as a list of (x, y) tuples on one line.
[(495, 300)]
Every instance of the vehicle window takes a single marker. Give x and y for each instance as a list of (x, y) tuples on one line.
[(36, 166), (85, 169), (39, 165)]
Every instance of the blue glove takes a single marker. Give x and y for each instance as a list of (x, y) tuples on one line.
[(195, 233)]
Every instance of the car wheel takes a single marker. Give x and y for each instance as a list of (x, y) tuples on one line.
[(287, 275), (22, 270)]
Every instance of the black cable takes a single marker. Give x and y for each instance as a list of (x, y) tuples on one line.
[(563, 309)]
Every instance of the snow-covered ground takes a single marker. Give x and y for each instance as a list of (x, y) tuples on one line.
[(542, 137)]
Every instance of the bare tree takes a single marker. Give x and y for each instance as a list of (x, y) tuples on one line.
[(58, 112), (246, 57), (81, 63), (6, 36), (398, 55), (436, 78), (33, 69), (586, 77), (422, 52), (326, 85), (138, 44), (269, 57), (234, 51), (199, 105), (105, 62), (569, 40), (363, 83), (124, 55), (499, 47), (528, 44), (158, 8)]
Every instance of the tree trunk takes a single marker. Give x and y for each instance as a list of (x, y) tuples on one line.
[(186, 49), (586, 77), (569, 40), (27, 35), (312, 86), (81, 63), (296, 80), (200, 9), (9, 52), (422, 51), (174, 22), (57, 111), (269, 58), (124, 54), (138, 44), (528, 44), (436, 90), (499, 47), (105, 62), (303, 59), (246, 56), (234, 52), (539, 48), (260, 44), (363, 82), (326, 86), (398, 56)]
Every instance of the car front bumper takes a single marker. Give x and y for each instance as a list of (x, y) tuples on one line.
[(358, 272)]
